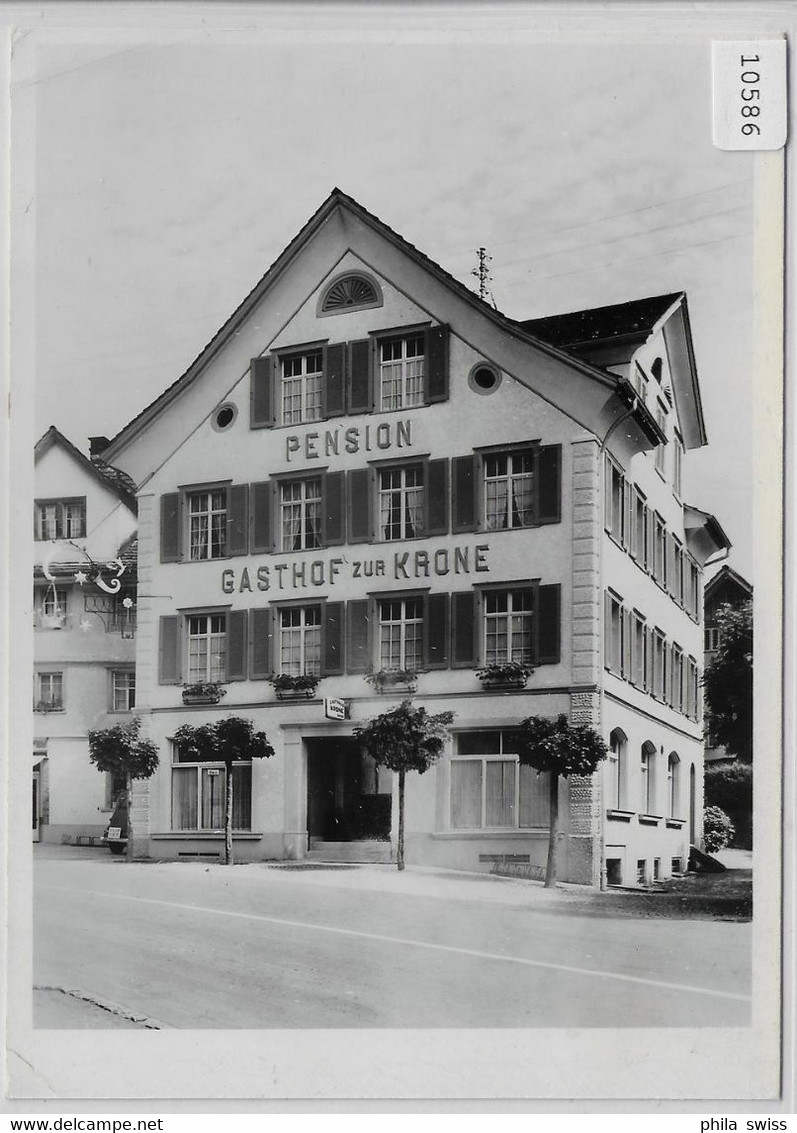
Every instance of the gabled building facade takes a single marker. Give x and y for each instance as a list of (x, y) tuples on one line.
[(84, 628), (370, 481)]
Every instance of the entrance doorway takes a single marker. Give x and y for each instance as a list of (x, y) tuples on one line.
[(36, 807), (348, 797)]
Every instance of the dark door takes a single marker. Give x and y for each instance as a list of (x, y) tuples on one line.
[(344, 800)]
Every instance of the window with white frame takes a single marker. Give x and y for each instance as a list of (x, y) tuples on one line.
[(677, 464), (639, 675), (401, 633), (614, 644), (614, 775), (490, 789), (300, 641), (712, 638), (401, 502), (60, 519), (300, 514), (677, 679), (673, 785), (123, 686), (53, 602), (199, 791), (647, 778), (615, 506), (639, 529), (207, 647), (401, 362), (302, 387), (508, 490), (659, 664), (49, 691), (508, 626), (207, 524)]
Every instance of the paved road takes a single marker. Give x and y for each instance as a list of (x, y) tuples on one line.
[(192, 946)]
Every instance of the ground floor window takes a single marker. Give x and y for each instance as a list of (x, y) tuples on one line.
[(124, 690), (490, 789), (48, 691), (199, 795)]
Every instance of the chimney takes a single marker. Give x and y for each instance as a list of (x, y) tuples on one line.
[(97, 446)]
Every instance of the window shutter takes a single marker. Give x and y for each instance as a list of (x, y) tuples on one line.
[(436, 497), (359, 509), (261, 517), (549, 602), (169, 651), (333, 380), (360, 376), (238, 519), (358, 654), (549, 484), (463, 630), (437, 631), (607, 630), (333, 638), (171, 550), (437, 363), (626, 622), (260, 643), (333, 526), (261, 394), (464, 493), (237, 622)]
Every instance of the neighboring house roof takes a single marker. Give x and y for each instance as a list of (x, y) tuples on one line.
[(339, 200), (704, 533), (634, 319), (727, 579), (112, 478)]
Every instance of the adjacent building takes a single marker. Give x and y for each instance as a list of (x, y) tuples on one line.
[(84, 625), (726, 588), (371, 483)]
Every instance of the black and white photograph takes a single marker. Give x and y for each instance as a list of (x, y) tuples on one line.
[(396, 411)]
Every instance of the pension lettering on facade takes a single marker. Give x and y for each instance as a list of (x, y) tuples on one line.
[(353, 439), (303, 573)]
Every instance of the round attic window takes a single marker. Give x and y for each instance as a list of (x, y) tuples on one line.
[(484, 378), (224, 416)]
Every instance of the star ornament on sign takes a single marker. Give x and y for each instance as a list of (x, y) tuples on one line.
[(81, 577), (85, 625)]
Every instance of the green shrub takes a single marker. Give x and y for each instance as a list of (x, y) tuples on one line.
[(730, 787), (717, 829)]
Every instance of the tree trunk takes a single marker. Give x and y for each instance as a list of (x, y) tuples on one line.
[(400, 846), (553, 841), (228, 817), (129, 794)]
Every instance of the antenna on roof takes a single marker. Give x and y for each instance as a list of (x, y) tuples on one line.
[(482, 273)]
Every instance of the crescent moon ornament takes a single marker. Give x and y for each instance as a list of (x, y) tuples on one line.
[(112, 587)]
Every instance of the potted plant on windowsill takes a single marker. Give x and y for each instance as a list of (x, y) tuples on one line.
[(203, 692), (507, 674), (48, 706), (298, 687), (406, 679)]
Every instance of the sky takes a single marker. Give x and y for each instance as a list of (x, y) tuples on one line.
[(170, 175)]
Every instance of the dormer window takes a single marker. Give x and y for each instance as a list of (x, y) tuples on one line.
[(355, 291)]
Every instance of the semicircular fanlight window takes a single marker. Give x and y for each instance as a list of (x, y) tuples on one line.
[(351, 291)]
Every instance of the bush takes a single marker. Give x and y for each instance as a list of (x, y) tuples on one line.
[(717, 829), (730, 787)]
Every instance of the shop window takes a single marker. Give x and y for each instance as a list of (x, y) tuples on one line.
[(300, 514), (48, 691), (401, 633), (401, 372), (199, 791), (401, 502), (123, 690), (490, 789), (301, 387), (60, 519), (508, 626), (300, 641)]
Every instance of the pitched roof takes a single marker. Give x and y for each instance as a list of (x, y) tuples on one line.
[(113, 478), (634, 319), (727, 576)]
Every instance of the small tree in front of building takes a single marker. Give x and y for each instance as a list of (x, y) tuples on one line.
[(560, 749), (122, 753), (728, 682), (404, 739), (228, 741)]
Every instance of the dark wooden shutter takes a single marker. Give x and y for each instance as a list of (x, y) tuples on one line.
[(437, 363), (334, 530), (262, 394), (171, 549), (464, 493), (238, 519), (436, 497), (549, 484), (262, 524), (169, 650), (237, 622), (437, 631), (334, 633), (358, 653), (361, 397), (334, 361), (549, 602), (463, 629), (359, 505), (260, 643)]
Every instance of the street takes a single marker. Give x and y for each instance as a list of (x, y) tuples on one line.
[(196, 945)]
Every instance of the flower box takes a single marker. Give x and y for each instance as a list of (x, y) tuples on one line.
[(511, 674), (295, 693), (384, 679), (204, 692), (299, 687)]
